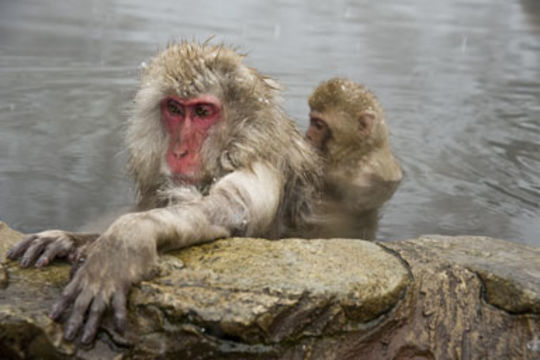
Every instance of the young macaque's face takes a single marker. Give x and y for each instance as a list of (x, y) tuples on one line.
[(318, 132), (187, 122)]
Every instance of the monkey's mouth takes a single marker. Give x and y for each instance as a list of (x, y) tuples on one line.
[(190, 178)]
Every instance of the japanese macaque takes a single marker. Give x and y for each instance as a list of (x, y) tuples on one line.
[(213, 156), (347, 126)]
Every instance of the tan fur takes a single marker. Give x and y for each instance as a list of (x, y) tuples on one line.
[(254, 129), (361, 173)]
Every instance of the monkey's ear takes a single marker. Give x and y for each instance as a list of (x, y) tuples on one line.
[(366, 119)]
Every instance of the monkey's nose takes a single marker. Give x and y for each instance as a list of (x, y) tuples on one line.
[(180, 153)]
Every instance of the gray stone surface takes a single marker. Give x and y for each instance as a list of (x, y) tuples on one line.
[(510, 271), (472, 298), (434, 297)]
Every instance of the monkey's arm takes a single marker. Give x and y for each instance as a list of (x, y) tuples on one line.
[(364, 192), (48, 245), (244, 202)]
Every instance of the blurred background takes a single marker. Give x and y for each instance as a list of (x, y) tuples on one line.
[(460, 81)]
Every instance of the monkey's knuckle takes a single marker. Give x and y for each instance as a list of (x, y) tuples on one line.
[(76, 318), (79, 309), (96, 311), (66, 293), (51, 233), (53, 236), (35, 245)]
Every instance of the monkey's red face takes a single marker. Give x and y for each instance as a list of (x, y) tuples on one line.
[(187, 122)]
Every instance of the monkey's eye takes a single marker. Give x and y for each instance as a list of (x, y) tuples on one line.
[(204, 110), (174, 108), (318, 124)]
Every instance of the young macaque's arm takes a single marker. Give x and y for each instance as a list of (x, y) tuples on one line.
[(363, 192), (244, 203)]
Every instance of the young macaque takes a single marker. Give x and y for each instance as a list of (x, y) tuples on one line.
[(213, 156), (347, 126)]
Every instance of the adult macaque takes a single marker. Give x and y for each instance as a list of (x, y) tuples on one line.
[(213, 156), (347, 125)]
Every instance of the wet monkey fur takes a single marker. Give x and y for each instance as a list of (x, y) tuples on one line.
[(348, 127), (212, 154)]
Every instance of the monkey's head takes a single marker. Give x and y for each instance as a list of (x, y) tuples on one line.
[(200, 113), (345, 117)]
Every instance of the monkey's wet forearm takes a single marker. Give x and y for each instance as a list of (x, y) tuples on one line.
[(242, 203)]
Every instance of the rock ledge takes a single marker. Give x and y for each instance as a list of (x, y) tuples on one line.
[(430, 298)]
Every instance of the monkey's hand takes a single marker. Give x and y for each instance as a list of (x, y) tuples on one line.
[(48, 245), (123, 255)]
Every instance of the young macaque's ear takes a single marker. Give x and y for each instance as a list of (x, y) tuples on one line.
[(366, 119)]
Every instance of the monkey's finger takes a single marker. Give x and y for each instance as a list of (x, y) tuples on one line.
[(21, 246), (33, 252), (77, 254), (119, 310), (77, 316), (69, 293), (92, 323), (52, 251)]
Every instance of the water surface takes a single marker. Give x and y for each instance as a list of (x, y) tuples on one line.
[(460, 81)]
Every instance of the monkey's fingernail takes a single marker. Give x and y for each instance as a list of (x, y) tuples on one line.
[(55, 312), (42, 262), (70, 333), (87, 338), (24, 262)]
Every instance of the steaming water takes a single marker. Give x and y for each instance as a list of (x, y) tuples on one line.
[(460, 81)]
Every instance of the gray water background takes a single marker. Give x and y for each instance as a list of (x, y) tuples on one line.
[(460, 81)]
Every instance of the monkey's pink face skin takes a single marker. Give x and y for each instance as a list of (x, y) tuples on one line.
[(187, 122)]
